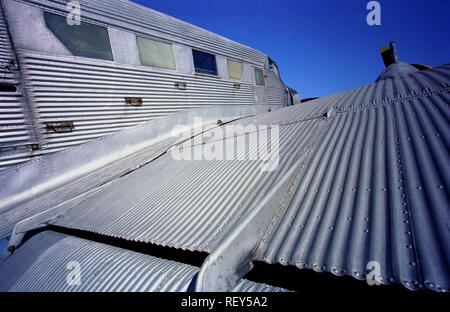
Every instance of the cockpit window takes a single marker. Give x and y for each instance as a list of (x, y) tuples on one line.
[(204, 63), (87, 40)]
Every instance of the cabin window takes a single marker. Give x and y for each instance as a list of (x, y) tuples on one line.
[(204, 63), (87, 40), (273, 66), (259, 77), (235, 69), (155, 53)]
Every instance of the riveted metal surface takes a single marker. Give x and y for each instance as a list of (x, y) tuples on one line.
[(374, 187)]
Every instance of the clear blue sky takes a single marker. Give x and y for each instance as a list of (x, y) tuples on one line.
[(324, 47)]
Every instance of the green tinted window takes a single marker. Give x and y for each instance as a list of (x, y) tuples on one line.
[(235, 69), (259, 77), (156, 54), (85, 40)]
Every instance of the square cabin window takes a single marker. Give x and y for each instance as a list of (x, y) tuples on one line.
[(86, 40), (155, 53), (235, 69), (204, 63), (259, 77)]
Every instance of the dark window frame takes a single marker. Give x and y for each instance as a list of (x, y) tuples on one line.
[(201, 56)]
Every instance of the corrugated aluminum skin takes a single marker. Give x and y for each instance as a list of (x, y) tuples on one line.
[(186, 204), (16, 131), (6, 53), (103, 268), (276, 91), (373, 186), (376, 188), (91, 95), (97, 179)]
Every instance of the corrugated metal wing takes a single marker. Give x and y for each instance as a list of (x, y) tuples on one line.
[(373, 187), (45, 265)]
